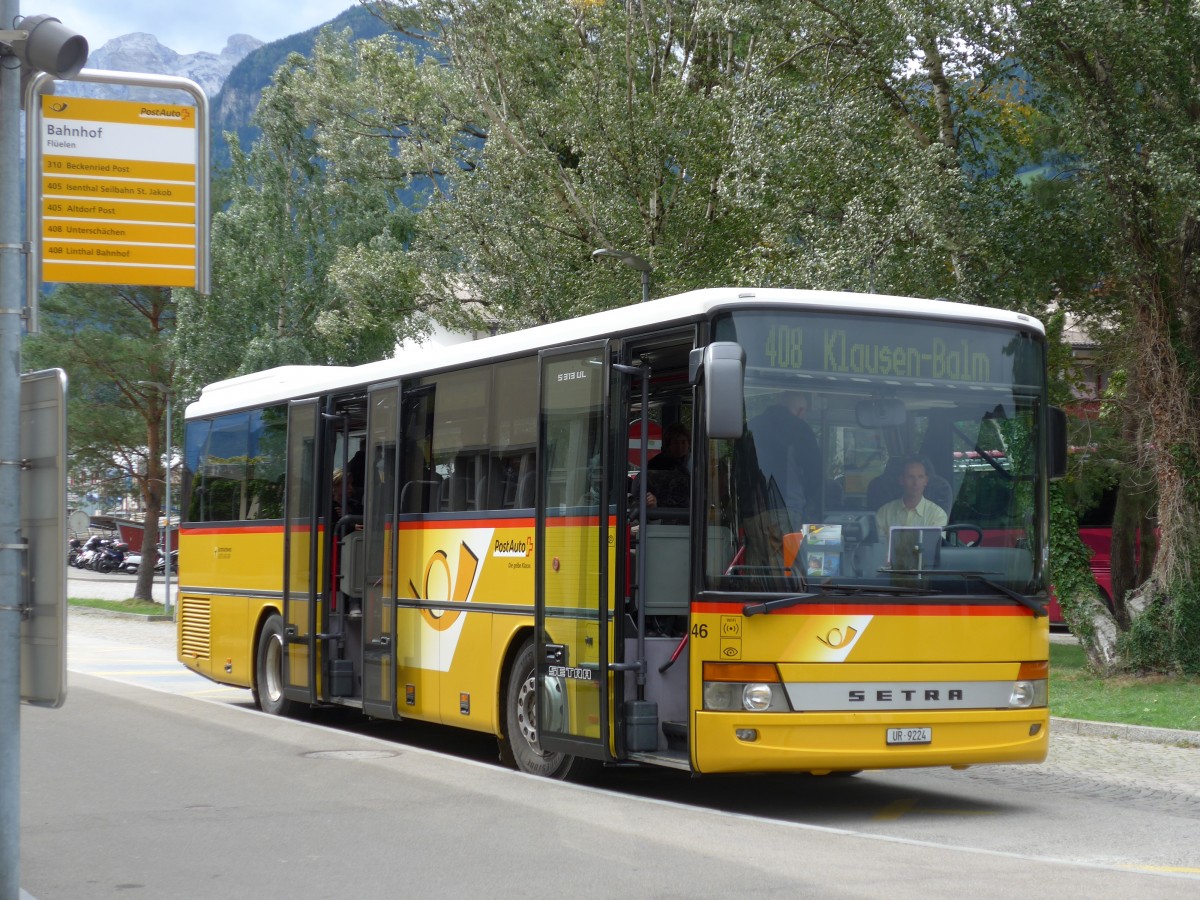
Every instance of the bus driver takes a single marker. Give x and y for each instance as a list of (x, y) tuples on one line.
[(912, 508)]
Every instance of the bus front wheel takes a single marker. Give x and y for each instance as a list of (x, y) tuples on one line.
[(521, 746), (268, 670)]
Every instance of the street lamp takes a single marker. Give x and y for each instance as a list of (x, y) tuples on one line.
[(628, 259), (167, 606)]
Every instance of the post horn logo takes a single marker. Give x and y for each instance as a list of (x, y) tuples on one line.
[(455, 587), (835, 640)]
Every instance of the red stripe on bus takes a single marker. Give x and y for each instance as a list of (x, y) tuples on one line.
[(451, 524)]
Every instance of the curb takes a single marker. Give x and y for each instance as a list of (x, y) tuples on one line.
[(118, 614), (1143, 733)]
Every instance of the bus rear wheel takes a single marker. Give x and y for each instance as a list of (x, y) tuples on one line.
[(268, 670), (521, 746)]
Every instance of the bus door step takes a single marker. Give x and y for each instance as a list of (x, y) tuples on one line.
[(676, 734)]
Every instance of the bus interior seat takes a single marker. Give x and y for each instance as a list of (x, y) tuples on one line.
[(939, 491), (526, 490), (456, 487), (420, 496), (885, 487), (489, 487)]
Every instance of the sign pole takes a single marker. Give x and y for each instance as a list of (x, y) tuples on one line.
[(12, 251)]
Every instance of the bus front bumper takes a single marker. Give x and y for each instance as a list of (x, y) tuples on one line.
[(833, 742)]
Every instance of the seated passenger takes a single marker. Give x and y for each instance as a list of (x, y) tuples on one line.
[(676, 450), (668, 476), (912, 508)]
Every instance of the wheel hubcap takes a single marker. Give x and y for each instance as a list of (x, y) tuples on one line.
[(273, 668), (527, 714)]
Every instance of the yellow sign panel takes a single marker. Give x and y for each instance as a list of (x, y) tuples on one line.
[(112, 189), (148, 254), (108, 273), (66, 166), (118, 192), (119, 232), (55, 209)]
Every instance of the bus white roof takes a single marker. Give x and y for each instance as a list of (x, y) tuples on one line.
[(292, 382)]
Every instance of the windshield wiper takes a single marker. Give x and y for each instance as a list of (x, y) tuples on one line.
[(1039, 609), (767, 606)]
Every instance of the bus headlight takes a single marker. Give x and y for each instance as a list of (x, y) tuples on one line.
[(1028, 694), (756, 697), (1029, 690), (743, 687), (719, 695)]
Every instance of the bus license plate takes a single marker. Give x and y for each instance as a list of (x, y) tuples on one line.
[(910, 735)]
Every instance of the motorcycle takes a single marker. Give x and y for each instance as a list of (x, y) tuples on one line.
[(133, 562), (74, 548), (161, 564), (88, 553), (110, 557)]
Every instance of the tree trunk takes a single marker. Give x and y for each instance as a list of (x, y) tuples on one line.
[(152, 493), (1173, 448)]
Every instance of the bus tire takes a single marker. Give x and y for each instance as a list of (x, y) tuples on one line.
[(268, 669), (520, 745)]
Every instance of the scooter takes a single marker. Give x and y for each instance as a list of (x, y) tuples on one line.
[(87, 555), (110, 557)]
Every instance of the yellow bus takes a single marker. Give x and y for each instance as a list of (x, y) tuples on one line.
[(493, 535)]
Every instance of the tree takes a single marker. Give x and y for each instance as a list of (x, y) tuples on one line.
[(301, 200), (1122, 79), (1018, 155), (108, 338)]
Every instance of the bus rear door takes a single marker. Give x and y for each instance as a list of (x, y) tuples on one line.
[(379, 587)]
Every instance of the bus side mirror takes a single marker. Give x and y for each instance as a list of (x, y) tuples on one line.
[(1057, 451), (723, 370)]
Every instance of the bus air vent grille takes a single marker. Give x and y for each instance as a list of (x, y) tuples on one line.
[(195, 633)]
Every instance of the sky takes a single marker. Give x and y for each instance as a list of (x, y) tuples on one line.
[(187, 26)]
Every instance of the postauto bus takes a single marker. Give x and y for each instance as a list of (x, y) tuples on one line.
[(465, 537)]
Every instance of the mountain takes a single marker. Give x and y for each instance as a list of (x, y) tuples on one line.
[(238, 99), (142, 53), (233, 79)]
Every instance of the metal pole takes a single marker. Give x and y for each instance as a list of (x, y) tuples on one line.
[(168, 607), (12, 263)]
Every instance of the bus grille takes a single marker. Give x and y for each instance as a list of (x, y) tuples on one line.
[(195, 633)]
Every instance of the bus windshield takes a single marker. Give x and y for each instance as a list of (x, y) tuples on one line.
[(897, 455)]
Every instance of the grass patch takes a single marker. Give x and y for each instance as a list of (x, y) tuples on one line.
[(139, 607), (1158, 701)]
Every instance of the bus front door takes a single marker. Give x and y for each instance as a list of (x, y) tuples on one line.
[(301, 580), (573, 603)]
